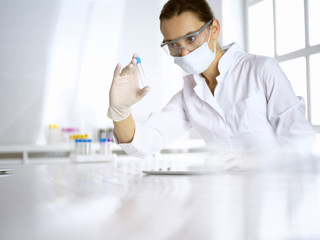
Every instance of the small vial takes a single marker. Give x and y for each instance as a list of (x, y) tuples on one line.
[(141, 72), (109, 146), (102, 145), (82, 146), (78, 146), (90, 143), (54, 134), (87, 146)]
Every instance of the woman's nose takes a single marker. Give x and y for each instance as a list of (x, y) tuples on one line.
[(184, 52)]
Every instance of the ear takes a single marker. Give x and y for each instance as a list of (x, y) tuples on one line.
[(215, 26)]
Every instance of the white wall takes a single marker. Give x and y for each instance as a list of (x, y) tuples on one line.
[(26, 29), (232, 22), (57, 59), (83, 56)]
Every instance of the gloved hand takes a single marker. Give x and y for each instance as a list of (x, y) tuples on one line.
[(125, 91)]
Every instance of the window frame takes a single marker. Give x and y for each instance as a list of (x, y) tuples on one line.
[(306, 52)]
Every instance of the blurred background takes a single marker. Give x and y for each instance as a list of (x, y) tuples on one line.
[(57, 57)]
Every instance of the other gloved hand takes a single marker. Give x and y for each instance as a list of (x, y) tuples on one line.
[(125, 91)]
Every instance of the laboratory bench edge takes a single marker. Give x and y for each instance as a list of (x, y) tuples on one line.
[(29, 153)]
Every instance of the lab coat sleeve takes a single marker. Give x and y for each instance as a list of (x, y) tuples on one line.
[(286, 111), (160, 129)]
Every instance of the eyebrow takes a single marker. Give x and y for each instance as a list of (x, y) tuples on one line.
[(191, 32)]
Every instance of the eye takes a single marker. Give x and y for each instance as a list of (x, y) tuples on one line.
[(191, 39), (172, 45)]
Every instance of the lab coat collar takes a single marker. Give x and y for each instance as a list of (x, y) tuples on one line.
[(227, 60), (202, 90), (201, 87)]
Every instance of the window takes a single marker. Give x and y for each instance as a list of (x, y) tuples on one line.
[(288, 31)]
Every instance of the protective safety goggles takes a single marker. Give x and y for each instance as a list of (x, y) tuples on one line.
[(188, 42)]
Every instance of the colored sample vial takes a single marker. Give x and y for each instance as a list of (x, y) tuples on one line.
[(78, 146), (54, 134), (67, 132), (103, 145), (87, 146), (109, 145)]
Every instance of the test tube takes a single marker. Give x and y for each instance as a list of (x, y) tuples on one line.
[(109, 146), (54, 134), (102, 145), (141, 72), (87, 146), (78, 146)]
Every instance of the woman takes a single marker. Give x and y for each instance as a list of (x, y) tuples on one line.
[(233, 99)]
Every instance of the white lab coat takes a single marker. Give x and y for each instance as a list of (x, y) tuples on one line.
[(253, 106)]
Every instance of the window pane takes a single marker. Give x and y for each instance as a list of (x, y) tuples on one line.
[(314, 20), (296, 72), (261, 36), (289, 25), (315, 88)]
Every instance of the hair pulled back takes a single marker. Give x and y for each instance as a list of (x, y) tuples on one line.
[(200, 8)]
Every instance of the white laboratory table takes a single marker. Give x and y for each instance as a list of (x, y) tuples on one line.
[(278, 198)]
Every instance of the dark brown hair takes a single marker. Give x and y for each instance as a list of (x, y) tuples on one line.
[(175, 7)]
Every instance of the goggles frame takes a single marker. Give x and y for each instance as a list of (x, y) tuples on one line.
[(164, 43)]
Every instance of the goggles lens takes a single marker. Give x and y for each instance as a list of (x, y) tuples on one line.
[(189, 42)]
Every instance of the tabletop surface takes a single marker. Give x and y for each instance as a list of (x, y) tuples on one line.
[(115, 200)]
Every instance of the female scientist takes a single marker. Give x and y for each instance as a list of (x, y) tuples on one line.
[(233, 99)]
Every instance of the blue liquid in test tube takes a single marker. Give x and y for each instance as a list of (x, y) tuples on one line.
[(141, 72)]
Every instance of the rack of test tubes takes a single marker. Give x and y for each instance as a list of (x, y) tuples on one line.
[(84, 152)]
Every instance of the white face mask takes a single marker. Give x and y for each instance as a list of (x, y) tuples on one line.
[(198, 60)]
